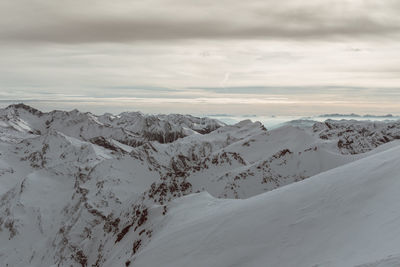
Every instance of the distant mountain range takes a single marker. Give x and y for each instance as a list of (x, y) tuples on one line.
[(356, 115)]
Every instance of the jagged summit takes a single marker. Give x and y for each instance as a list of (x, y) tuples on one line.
[(22, 106), (131, 128)]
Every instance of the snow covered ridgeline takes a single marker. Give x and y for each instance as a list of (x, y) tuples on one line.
[(130, 128), (72, 196)]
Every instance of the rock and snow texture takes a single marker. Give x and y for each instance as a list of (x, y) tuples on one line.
[(354, 138), (83, 190)]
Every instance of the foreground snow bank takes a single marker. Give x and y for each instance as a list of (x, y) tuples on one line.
[(344, 217)]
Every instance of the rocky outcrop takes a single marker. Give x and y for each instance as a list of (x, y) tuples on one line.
[(354, 137)]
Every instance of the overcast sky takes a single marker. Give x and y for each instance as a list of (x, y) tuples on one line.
[(202, 56)]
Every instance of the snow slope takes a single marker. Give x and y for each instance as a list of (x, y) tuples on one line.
[(344, 217)]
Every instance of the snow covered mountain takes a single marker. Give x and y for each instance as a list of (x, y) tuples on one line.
[(84, 190), (348, 216)]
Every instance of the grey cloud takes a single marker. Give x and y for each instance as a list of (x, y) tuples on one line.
[(181, 20)]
